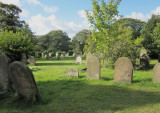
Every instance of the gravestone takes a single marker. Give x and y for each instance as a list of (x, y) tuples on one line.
[(156, 73), (32, 60), (50, 55), (143, 51), (24, 59), (57, 55), (72, 72), (77, 54), (93, 67), (144, 61), (123, 71), (4, 72), (67, 55), (42, 55), (23, 81), (79, 60)]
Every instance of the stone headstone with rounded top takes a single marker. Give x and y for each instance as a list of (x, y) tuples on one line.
[(93, 66), (143, 51), (123, 71), (32, 60), (23, 81), (79, 60), (156, 73)]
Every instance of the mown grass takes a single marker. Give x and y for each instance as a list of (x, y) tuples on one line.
[(62, 94)]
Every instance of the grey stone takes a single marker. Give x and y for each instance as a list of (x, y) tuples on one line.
[(4, 72), (23, 80), (50, 55), (156, 73), (72, 72), (24, 59), (93, 67), (32, 60), (143, 51), (79, 60), (144, 61), (57, 55), (123, 71)]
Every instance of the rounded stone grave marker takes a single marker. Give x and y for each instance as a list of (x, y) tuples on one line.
[(79, 60), (156, 73), (23, 80), (123, 71), (93, 67), (143, 51)]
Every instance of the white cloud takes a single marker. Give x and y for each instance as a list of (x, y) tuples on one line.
[(25, 13), (45, 7), (142, 16), (156, 11), (42, 25), (15, 2), (82, 14)]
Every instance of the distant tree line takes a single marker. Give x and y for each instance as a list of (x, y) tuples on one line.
[(108, 37)]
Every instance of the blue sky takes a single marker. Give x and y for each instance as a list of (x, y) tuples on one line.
[(68, 15)]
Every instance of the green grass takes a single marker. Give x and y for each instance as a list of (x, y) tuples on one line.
[(63, 94)]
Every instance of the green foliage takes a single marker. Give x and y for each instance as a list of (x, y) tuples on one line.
[(70, 52), (147, 34), (14, 44), (53, 41), (135, 24), (156, 38), (79, 39), (101, 17), (9, 17)]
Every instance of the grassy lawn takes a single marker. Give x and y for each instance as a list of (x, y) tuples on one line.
[(62, 94)]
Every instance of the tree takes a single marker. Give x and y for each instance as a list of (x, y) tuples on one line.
[(135, 24), (156, 38), (9, 17), (79, 39), (14, 44), (101, 17), (55, 40), (147, 35)]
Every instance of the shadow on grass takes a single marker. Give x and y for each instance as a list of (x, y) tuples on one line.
[(77, 96), (151, 66), (74, 96), (144, 80), (53, 64)]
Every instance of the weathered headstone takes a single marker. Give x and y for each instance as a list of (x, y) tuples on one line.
[(42, 55), (72, 72), (143, 51), (79, 60), (23, 81), (24, 59), (50, 55), (32, 60), (93, 67), (57, 54), (4, 72), (123, 71), (67, 54), (144, 61), (73, 54), (156, 73), (77, 54)]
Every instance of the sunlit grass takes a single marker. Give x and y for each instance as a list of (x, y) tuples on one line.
[(63, 94)]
